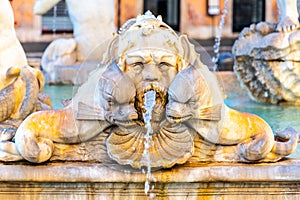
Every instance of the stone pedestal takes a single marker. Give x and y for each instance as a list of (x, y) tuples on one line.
[(80, 180)]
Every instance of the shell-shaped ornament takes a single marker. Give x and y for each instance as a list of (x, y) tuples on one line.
[(172, 145)]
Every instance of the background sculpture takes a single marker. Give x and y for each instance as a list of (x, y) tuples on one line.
[(289, 16), (93, 24), (19, 83), (267, 57)]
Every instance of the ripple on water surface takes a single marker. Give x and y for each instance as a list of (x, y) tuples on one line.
[(58, 93), (278, 116)]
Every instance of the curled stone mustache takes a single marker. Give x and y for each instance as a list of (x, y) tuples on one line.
[(161, 92)]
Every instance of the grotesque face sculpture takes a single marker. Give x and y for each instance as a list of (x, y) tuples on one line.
[(151, 70), (150, 53)]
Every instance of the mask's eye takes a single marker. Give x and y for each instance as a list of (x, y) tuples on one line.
[(137, 67), (164, 66)]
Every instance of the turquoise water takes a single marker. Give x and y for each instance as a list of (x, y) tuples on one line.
[(58, 93), (278, 116)]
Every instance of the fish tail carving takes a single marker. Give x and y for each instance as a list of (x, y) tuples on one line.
[(286, 143), (37, 134), (7, 102), (32, 90), (256, 147)]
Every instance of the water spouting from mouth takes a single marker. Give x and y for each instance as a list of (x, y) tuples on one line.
[(149, 103)]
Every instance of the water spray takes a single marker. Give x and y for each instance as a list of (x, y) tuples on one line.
[(218, 37)]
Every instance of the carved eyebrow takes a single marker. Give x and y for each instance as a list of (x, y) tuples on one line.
[(107, 92), (137, 56), (167, 55), (107, 86), (168, 58)]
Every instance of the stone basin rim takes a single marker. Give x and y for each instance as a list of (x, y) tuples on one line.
[(287, 170)]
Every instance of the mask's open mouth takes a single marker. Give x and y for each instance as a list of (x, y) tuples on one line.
[(160, 97)]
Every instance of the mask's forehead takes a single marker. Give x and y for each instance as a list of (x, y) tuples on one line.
[(157, 39), (148, 55), (138, 56), (163, 56)]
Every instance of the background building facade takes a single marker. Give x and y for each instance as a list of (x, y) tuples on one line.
[(199, 19)]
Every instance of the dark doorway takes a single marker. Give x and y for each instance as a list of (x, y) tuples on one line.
[(168, 9), (247, 12)]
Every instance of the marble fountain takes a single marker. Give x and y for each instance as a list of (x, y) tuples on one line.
[(150, 122)]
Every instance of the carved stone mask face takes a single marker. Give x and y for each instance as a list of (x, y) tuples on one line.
[(151, 69)]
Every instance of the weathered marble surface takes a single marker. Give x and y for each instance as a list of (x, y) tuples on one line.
[(79, 180), (93, 24), (11, 51), (288, 19), (20, 84), (105, 179), (190, 121), (267, 57), (267, 63)]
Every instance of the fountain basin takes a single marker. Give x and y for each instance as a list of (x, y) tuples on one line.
[(79, 180), (98, 180)]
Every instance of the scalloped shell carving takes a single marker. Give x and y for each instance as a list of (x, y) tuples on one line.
[(169, 147)]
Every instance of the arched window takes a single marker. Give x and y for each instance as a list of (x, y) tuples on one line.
[(247, 12), (57, 20)]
